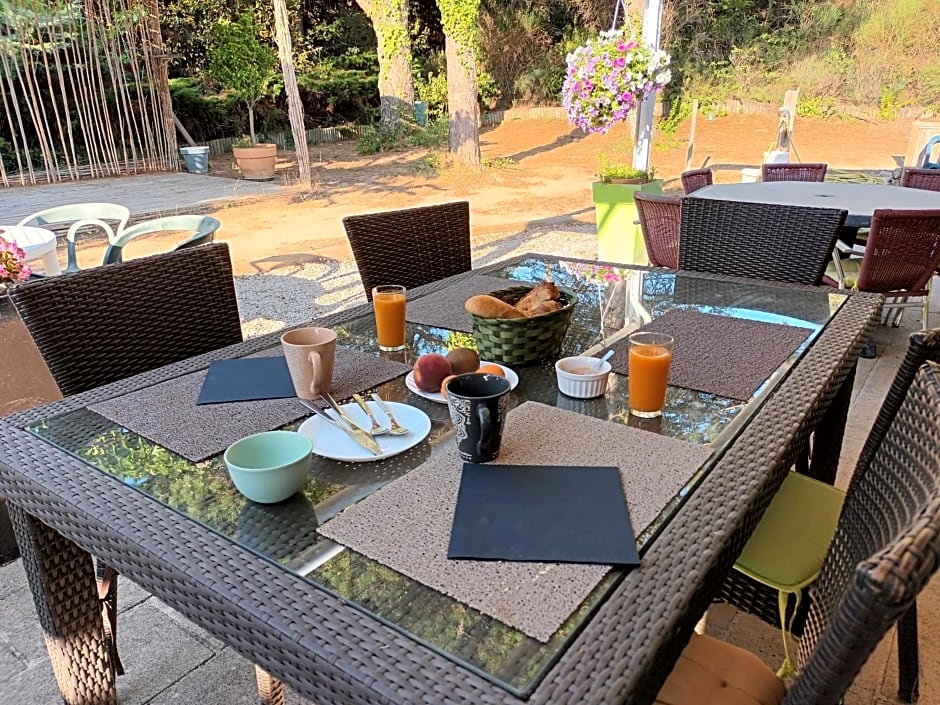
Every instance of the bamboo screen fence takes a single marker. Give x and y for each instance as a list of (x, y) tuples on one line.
[(84, 90)]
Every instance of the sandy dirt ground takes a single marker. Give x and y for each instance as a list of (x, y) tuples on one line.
[(539, 173)]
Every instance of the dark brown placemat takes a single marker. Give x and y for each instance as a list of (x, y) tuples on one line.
[(167, 413), (730, 357), (444, 308), (406, 525)]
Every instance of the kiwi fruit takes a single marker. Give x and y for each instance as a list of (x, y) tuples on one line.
[(463, 360)]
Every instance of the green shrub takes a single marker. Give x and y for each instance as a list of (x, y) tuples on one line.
[(435, 136)]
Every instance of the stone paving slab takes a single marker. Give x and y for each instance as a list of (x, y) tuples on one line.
[(143, 194)]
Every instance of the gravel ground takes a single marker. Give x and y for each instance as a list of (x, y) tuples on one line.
[(269, 302)]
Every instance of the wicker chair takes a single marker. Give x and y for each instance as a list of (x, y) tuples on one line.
[(763, 240), (104, 324), (886, 548), (660, 222), (900, 257), (762, 601), (926, 179), (793, 171), (694, 179), (412, 246)]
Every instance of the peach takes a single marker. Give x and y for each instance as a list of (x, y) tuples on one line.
[(430, 370)]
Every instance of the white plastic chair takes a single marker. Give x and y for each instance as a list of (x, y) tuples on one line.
[(83, 214), (203, 228)]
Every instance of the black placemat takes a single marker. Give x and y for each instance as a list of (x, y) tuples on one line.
[(246, 379), (730, 357), (552, 513), (444, 308)]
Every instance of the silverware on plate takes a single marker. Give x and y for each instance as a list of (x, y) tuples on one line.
[(377, 429), (396, 429), (354, 432)]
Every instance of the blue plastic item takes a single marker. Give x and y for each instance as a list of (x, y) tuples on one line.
[(928, 150), (196, 158), (421, 113)]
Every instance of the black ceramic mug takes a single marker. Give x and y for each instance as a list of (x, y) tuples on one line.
[(478, 405)]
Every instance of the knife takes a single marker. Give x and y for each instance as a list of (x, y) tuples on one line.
[(356, 433)]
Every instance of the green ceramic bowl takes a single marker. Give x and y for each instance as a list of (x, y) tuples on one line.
[(271, 466)]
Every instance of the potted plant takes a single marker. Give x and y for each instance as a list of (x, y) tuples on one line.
[(619, 238), (246, 67), (13, 267)]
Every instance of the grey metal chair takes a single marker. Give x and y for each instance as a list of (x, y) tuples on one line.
[(202, 227), (885, 550), (762, 240)]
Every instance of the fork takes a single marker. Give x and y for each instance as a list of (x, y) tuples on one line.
[(377, 429), (396, 429)]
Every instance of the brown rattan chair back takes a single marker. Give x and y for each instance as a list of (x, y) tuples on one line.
[(660, 221), (902, 252), (926, 179), (412, 246), (104, 324), (761, 240), (793, 171), (886, 548), (694, 179)]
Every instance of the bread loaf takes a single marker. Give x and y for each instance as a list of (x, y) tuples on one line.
[(544, 307), (546, 291), (487, 306)]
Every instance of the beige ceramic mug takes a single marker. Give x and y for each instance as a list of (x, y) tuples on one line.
[(309, 353)]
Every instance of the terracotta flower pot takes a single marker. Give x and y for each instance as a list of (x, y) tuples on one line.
[(256, 163)]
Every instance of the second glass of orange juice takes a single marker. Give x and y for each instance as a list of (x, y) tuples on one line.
[(389, 304), (650, 357)]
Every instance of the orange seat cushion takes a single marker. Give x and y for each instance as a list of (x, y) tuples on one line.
[(713, 672)]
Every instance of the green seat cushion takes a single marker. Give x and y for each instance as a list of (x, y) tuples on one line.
[(787, 548), (850, 267)]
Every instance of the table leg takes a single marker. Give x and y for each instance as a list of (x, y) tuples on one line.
[(50, 263), (270, 689), (61, 577), (827, 439)]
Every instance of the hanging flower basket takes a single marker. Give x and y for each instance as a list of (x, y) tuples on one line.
[(609, 77)]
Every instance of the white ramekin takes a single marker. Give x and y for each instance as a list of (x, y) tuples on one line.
[(581, 386)]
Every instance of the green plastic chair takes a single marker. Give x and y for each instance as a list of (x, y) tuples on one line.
[(83, 215), (202, 226)]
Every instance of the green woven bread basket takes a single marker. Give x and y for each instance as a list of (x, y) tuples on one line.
[(520, 341)]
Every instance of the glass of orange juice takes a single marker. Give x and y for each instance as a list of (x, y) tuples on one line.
[(389, 304), (650, 357)]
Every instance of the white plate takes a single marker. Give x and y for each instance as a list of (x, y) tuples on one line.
[(439, 398), (332, 443)]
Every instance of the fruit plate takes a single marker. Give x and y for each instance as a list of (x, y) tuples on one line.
[(439, 398), (332, 443)]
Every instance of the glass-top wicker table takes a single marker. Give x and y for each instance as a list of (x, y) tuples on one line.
[(335, 624)]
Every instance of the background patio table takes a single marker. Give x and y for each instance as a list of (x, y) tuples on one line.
[(244, 581), (860, 200)]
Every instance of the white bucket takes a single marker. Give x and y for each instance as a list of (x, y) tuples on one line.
[(750, 176)]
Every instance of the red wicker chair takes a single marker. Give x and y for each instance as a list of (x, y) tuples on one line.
[(694, 179), (926, 179), (793, 171), (660, 221), (901, 255)]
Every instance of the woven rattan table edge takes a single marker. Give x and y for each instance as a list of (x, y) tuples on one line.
[(427, 675)]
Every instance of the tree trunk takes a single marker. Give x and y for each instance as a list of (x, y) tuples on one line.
[(462, 102), (393, 40), (295, 108)]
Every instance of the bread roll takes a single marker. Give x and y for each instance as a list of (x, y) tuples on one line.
[(487, 306), (546, 291), (544, 307)]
